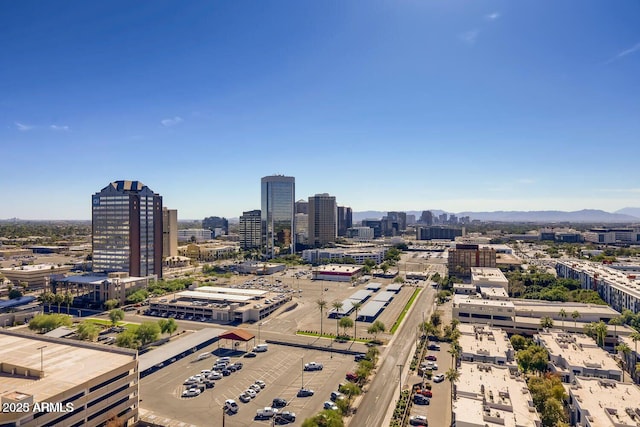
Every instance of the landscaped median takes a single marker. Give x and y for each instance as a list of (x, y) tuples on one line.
[(405, 310)]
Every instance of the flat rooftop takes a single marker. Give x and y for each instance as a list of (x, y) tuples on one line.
[(483, 341), (336, 268), (65, 365), (35, 267), (577, 350), (212, 296), (97, 279), (507, 401), (482, 275), (223, 290), (462, 300), (607, 402)]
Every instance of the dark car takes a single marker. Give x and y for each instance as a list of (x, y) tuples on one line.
[(250, 354), (351, 376), (238, 365), (278, 402), (433, 347), (360, 357), (232, 368), (305, 392), (285, 417), (419, 399), (432, 357), (226, 372)]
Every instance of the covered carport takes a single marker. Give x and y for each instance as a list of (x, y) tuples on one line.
[(236, 336)]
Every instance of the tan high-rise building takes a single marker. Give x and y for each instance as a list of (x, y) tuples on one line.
[(323, 220), (463, 257), (169, 232)]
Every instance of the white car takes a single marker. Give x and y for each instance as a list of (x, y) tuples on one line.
[(438, 378), (260, 383), (251, 393), (215, 375), (330, 405), (231, 405), (192, 392), (255, 387), (266, 412), (244, 397), (313, 366)]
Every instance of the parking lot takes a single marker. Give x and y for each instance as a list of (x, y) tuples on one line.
[(280, 368)]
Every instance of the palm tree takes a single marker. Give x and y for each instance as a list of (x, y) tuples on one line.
[(635, 337), (600, 330), (68, 299), (321, 306), (615, 321), (625, 350), (46, 298), (563, 315), (454, 351), (356, 307), (337, 306), (58, 299), (453, 376), (546, 322), (575, 315)]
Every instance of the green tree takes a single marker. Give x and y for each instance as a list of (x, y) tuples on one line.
[(87, 331), (546, 323), (68, 300), (625, 351), (46, 298), (452, 375), (601, 330), (356, 306), (518, 342), (615, 321), (346, 323), (58, 298), (337, 306), (47, 322), (116, 315), (548, 393), (575, 316), (127, 339), (563, 315), (15, 293), (322, 304), (350, 390), (376, 328), (635, 337), (147, 332), (111, 304), (326, 418), (168, 326)]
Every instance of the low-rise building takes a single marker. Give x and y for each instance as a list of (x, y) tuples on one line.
[(358, 254), (208, 252), (492, 396), (194, 235), (595, 402), (484, 277), (92, 291), (34, 276), (337, 272), (480, 343), (577, 354), (42, 375), (260, 268)]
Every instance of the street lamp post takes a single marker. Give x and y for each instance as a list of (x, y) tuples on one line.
[(42, 359), (259, 325), (223, 415), (400, 380)]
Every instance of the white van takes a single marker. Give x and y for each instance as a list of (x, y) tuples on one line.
[(260, 348), (204, 356)]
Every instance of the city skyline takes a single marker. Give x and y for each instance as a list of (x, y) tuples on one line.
[(393, 107)]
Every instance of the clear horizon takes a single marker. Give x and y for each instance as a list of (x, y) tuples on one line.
[(462, 106)]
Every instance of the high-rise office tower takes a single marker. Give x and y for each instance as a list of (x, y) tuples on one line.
[(278, 219), (127, 229), (323, 220), (345, 220), (302, 207), (426, 218), (169, 232), (400, 218), (250, 229)]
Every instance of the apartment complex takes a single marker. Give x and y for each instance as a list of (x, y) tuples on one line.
[(463, 257), (278, 219), (596, 402), (481, 343), (127, 229), (359, 255), (250, 229), (572, 355), (323, 220), (37, 369), (488, 395), (619, 289)]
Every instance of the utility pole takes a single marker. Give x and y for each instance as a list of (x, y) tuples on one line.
[(400, 380), (41, 359), (302, 365)]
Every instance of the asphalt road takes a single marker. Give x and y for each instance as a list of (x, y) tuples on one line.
[(384, 390)]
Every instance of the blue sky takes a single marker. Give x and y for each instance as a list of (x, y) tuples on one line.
[(388, 105)]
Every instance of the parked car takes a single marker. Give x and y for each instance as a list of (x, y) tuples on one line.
[(192, 392), (336, 395), (255, 387), (266, 412), (260, 383), (279, 402), (244, 397), (360, 357), (425, 392), (432, 357), (330, 405), (435, 347), (419, 399), (251, 393), (215, 375), (351, 376), (237, 365), (231, 406), (438, 378), (226, 372), (285, 417), (250, 354), (313, 366), (418, 420), (305, 392)]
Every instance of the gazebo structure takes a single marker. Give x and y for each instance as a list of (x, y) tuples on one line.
[(236, 336)]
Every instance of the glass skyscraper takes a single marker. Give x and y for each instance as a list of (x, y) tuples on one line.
[(278, 214), (127, 229)]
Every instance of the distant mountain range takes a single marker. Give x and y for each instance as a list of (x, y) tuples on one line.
[(626, 215)]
